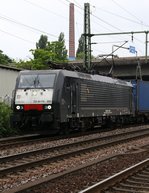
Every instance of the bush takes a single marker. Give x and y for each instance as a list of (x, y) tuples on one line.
[(5, 129)]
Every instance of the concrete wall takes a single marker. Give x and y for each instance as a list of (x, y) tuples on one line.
[(7, 82)]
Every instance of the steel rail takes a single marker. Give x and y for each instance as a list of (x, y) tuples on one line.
[(63, 156), (101, 186)]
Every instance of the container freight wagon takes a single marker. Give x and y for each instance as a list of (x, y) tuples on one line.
[(141, 97)]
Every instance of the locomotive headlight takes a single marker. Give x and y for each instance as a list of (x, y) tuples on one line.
[(18, 107), (48, 107)]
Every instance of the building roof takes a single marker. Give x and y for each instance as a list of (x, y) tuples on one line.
[(9, 67)]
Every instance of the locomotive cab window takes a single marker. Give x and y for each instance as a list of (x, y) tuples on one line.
[(45, 80), (36, 81)]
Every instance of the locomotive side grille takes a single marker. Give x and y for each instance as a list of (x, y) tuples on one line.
[(101, 94)]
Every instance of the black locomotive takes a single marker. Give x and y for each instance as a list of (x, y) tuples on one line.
[(66, 100)]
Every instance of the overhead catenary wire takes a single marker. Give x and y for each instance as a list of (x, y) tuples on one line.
[(79, 6), (102, 20), (93, 15), (125, 18), (97, 21), (124, 9), (16, 36), (25, 25), (45, 9)]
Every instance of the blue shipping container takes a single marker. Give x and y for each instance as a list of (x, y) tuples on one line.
[(141, 95)]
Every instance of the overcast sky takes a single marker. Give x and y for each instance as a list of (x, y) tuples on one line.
[(23, 21)]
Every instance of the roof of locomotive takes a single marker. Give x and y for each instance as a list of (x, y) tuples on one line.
[(80, 75)]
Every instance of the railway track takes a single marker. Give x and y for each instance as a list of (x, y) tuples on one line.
[(131, 180), (74, 179), (19, 146), (53, 160), (48, 154), (19, 141), (9, 141), (12, 142)]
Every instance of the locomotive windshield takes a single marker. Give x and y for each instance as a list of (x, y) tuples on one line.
[(36, 81)]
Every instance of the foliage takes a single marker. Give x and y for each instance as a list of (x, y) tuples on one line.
[(61, 49), (80, 50), (46, 52), (56, 50), (5, 129), (41, 58), (4, 59), (42, 42)]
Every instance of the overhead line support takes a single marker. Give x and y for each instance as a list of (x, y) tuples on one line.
[(87, 38), (132, 32)]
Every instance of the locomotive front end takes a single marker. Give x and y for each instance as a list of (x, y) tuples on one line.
[(33, 98)]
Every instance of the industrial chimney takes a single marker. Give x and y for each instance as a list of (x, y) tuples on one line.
[(71, 33)]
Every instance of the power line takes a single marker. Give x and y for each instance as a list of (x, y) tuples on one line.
[(125, 10), (49, 11), (24, 25), (45, 9), (107, 23), (115, 27), (125, 18), (103, 21), (77, 5), (96, 16), (18, 37)]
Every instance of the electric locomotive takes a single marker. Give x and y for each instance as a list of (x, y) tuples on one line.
[(61, 100)]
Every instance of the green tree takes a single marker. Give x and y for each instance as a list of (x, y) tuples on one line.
[(39, 61), (61, 48), (4, 59), (45, 53), (80, 50), (41, 58), (42, 43), (58, 49), (54, 51)]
